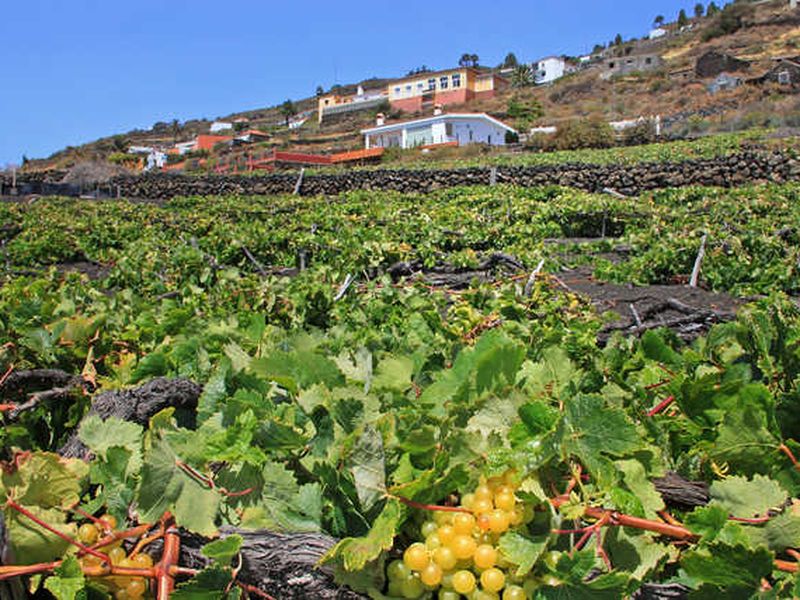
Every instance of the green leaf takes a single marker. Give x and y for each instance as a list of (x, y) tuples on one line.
[(208, 584), (164, 486), (497, 360), (355, 553), (29, 542), (636, 479), (99, 436), (748, 499), (357, 369), (393, 373), (655, 348), (223, 551), (297, 370), (521, 551), (67, 581), (745, 442), (728, 566), (367, 463), (283, 505), (214, 390), (707, 521), (551, 375), (45, 480), (240, 360), (778, 534), (590, 429)]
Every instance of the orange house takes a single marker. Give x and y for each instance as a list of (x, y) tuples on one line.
[(452, 86)]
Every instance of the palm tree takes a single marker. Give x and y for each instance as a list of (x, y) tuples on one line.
[(522, 76)]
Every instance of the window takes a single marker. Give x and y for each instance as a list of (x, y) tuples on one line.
[(443, 83), (397, 91), (408, 90), (648, 60), (431, 84), (420, 85), (784, 78), (457, 80), (611, 65), (448, 129)]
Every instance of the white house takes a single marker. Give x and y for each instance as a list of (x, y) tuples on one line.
[(218, 126), (461, 128), (656, 33), (549, 69)]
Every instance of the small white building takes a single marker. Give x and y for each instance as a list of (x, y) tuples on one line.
[(218, 126), (548, 69), (461, 128), (656, 33)]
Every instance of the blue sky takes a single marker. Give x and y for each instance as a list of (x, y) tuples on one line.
[(76, 70)]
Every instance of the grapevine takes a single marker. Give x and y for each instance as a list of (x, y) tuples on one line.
[(456, 421)]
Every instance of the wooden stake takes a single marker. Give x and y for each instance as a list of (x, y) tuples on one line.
[(698, 262)]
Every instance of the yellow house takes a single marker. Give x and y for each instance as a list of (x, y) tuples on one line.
[(335, 104), (451, 86)]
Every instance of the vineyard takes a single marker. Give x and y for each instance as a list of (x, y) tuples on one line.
[(482, 393)]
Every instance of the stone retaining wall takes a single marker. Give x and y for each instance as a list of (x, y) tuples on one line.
[(737, 169)]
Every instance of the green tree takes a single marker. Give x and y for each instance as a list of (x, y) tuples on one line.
[(712, 9), (510, 61), (522, 76), (320, 91), (699, 10), (618, 40), (683, 20), (658, 21), (288, 110), (175, 127)]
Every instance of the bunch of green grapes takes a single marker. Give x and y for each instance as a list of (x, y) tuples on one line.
[(459, 557), (123, 588)]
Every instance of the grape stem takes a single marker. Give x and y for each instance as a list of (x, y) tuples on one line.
[(208, 481), (165, 582), (787, 451), (660, 406), (429, 507), (25, 512)]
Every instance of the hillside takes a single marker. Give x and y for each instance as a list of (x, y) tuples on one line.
[(764, 30)]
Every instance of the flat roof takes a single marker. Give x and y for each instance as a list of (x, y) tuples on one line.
[(442, 117)]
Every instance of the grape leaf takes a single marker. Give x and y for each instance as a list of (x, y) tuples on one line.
[(164, 486), (393, 373), (590, 429), (726, 566), (208, 584), (223, 551), (29, 542), (284, 506), (67, 581), (367, 463), (521, 551), (635, 477), (99, 436), (747, 499), (778, 534), (358, 369), (707, 521), (45, 480), (356, 553)]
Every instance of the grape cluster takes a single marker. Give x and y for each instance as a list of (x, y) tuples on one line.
[(459, 557), (123, 588)]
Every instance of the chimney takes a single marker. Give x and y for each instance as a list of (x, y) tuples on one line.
[(380, 119), (437, 110)]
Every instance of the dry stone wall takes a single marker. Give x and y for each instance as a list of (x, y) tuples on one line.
[(737, 169)]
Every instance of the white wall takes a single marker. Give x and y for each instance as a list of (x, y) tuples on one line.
[(549, 69), (463, 131), (217, 126)]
